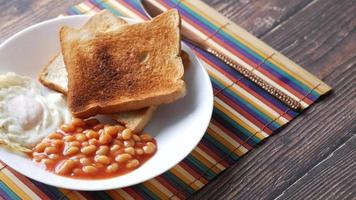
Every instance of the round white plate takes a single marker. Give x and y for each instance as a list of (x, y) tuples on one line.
[(177, 127)]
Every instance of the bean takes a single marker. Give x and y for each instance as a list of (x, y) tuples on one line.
[(74, 144), (68, 128), (53, 156), (55, 136), (126, 134), (65, 167), (130, 150), (50, 150), (111, 130), (85, 144), (88, 149), (129, 143), (103, 150), (114, 147), (77, 122), (149, 148), (37, 158), (79, 130), (132, 163), (120, 128), (92, 122), (69, 138), (112, 168), (47, 161), (77, 171), (58, 143), (102, 159), (94, 141), (139, 151), (90, 169), (105, 138), (98, 127), (145, 137), (123, 157), (71, 151), (118, 142), (80, 137), (136, 138), (92, 134), (85, 161), (41, 147)]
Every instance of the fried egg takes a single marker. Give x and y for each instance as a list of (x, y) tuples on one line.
[(27, 113)]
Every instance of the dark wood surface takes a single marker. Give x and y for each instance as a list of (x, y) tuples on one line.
[(314, 157)]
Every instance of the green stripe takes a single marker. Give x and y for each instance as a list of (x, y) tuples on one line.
[(170, 176), (8, 191), (220, 146), (146, 190), (204, 170), (110, 8)]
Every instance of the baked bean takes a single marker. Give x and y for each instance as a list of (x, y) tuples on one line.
[(126, 134), (129, 143), (115, 148), (57, 143), (94, 141), (85, 144), (85, 161), (53, 156), (90, 169), (71, 151), (79, 130), (77, 122), (92, 122), (145, 137), (77, 171), (80, 137), (55, 136), (98, 127), (130, 150), (132, 163), (136, 138), (37, 158), (69, 138), (112, 168), (103, 150), (111, 130), (123, 157), (40, 147), (50, 150), (118, 142), (47, 161), (105, 138), (149, 148), (92, 134), (74, 144), (139, 151), (65, 167), (102, 159), (120, 128), (68, 128), (88, 149)]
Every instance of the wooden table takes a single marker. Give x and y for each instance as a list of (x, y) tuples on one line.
[(314, 157)]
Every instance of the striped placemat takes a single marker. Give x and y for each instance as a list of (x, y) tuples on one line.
[(243, 114)]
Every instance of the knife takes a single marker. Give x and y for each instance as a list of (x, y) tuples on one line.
[(152, 11)]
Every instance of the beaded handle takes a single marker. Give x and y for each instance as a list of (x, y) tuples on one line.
[(257, 80)]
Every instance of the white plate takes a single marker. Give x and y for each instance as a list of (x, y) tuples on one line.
[(177, 127)]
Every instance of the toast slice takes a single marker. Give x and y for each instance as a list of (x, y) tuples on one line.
[(54, 74), (129, 68)]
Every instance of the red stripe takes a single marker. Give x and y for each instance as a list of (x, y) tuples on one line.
[(245, 87), (132, 192), (213, 155), (29, 184), (192, 171)]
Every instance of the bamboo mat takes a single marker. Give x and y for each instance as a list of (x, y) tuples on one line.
[(243, 113)]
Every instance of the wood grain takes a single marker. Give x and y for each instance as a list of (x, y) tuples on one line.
[(314, 156)]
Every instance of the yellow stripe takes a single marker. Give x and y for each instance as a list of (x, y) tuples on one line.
[(157, 191), (176, 170), (259, 105), (122, 9), (74, 195), (240, 151), (86, 8), (161, 187), (124, 194), (211, 159), (205, 161), (15, 185)]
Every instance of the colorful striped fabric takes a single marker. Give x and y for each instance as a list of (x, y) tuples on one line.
[(243, 114)]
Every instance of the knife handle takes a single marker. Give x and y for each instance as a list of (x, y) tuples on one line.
[(292, 103)]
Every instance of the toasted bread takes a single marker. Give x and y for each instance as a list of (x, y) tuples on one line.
[(129, 68)]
